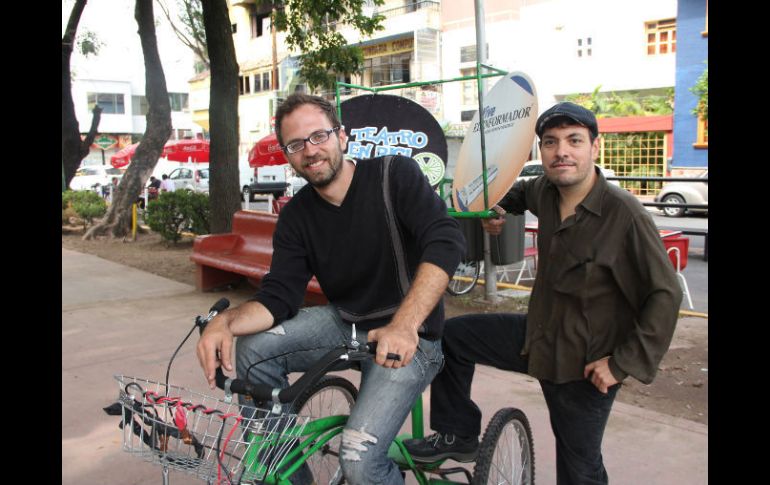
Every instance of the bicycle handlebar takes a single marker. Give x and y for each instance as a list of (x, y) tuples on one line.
[(264, 392)]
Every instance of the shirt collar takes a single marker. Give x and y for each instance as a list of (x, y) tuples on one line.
[(593, 201)]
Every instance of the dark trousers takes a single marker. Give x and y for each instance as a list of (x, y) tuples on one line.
[(578, 411)]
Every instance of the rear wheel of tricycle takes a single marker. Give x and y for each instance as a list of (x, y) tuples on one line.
[(506, 454)]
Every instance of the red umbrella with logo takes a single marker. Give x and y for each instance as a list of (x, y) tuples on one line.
[(196, 151), (123, 157), (267, 151)]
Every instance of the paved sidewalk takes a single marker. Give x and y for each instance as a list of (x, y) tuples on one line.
[(117, 319)]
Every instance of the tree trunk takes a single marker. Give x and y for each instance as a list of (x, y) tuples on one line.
[(73, 150), (117, 221), (224, 190)]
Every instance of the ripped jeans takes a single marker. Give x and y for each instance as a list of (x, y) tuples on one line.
[(385, 397)]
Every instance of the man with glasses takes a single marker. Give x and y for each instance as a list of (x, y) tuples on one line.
[(383, 248)]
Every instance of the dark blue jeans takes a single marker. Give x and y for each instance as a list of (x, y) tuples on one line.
[(578, 411)]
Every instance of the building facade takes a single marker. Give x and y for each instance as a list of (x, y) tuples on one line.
[(690, 155), (566, 46), (115, 80)]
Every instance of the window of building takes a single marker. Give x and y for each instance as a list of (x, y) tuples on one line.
[(260, 24), (584, 47), (244, 85), (468, 53), (178, 101), (235, 28), (703, 134), (384, 70), (111, 103), (470, 92), (139, 105), (266, 81), (661, 37), (467, 115), (638, 154)]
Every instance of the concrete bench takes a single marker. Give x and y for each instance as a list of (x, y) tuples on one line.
[(247, 251)]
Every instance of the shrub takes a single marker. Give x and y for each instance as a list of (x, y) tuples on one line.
[(174, 212), (86, 204), (198, 212)]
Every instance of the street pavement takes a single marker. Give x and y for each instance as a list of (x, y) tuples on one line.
[(119, 320)]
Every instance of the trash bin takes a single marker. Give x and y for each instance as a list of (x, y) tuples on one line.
[(508, 247), (474, 238)]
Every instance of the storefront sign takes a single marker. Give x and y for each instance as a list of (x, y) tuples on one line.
[(382, 124), (389, 48), (105, 142)]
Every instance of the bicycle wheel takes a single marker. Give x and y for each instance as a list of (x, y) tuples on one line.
[(466, 269), (332, 395), (506, 454)]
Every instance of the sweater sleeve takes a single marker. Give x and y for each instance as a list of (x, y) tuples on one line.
[(283, 288), (424, 215)]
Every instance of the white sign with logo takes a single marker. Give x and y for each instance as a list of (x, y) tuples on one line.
[(508, 119)]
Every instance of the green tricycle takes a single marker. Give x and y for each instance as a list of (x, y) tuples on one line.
[(223, 442)]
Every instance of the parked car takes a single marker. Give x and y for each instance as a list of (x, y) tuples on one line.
[(534, 168), (196, 180), (94, 177), (684, 193)]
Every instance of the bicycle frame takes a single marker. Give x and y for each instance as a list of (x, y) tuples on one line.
[(318, 432)]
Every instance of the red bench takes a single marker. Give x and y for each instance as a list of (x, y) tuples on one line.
[(222, 259)]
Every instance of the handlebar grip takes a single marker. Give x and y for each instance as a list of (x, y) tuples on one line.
[(371, 347), (257, 392), (221, 305)]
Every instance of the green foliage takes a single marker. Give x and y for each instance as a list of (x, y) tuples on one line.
[(175, 212), (310, 27), (89, 43), (198, 211), (701, 89), (612, 104), (86, 204)]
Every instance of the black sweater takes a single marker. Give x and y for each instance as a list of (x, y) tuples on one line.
[(351, 251)]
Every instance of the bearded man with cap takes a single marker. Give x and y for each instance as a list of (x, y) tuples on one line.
[(603, 306)]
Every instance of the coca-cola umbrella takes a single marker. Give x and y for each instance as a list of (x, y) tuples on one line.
[(267, 151), (196, 151), (123, 156)]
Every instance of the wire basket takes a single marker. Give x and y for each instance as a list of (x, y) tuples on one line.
[(204, 436)]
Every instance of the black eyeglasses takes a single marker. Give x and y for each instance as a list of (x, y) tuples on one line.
[(315, 138)]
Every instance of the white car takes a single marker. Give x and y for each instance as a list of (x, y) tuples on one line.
[(534, 168), (684, 193), (94, 177), (196, 180)]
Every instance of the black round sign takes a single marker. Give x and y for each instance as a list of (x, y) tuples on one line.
[(381, 124)]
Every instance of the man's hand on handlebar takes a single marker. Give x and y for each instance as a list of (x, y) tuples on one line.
[(215, 347), (396, 340)]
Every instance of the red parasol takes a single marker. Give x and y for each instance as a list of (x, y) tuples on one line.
[(175, 150), (123, 157), (267, 151), (196, 151)]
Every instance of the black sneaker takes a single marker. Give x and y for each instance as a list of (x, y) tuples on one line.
[(440, 446)]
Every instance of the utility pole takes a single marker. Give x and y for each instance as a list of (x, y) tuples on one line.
[(490, 272)]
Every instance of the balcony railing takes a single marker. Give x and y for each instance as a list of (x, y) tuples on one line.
[(426, 5)]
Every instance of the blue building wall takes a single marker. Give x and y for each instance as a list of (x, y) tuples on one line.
[(691, 52)]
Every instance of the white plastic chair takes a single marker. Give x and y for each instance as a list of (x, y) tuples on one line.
[(682, 280)]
